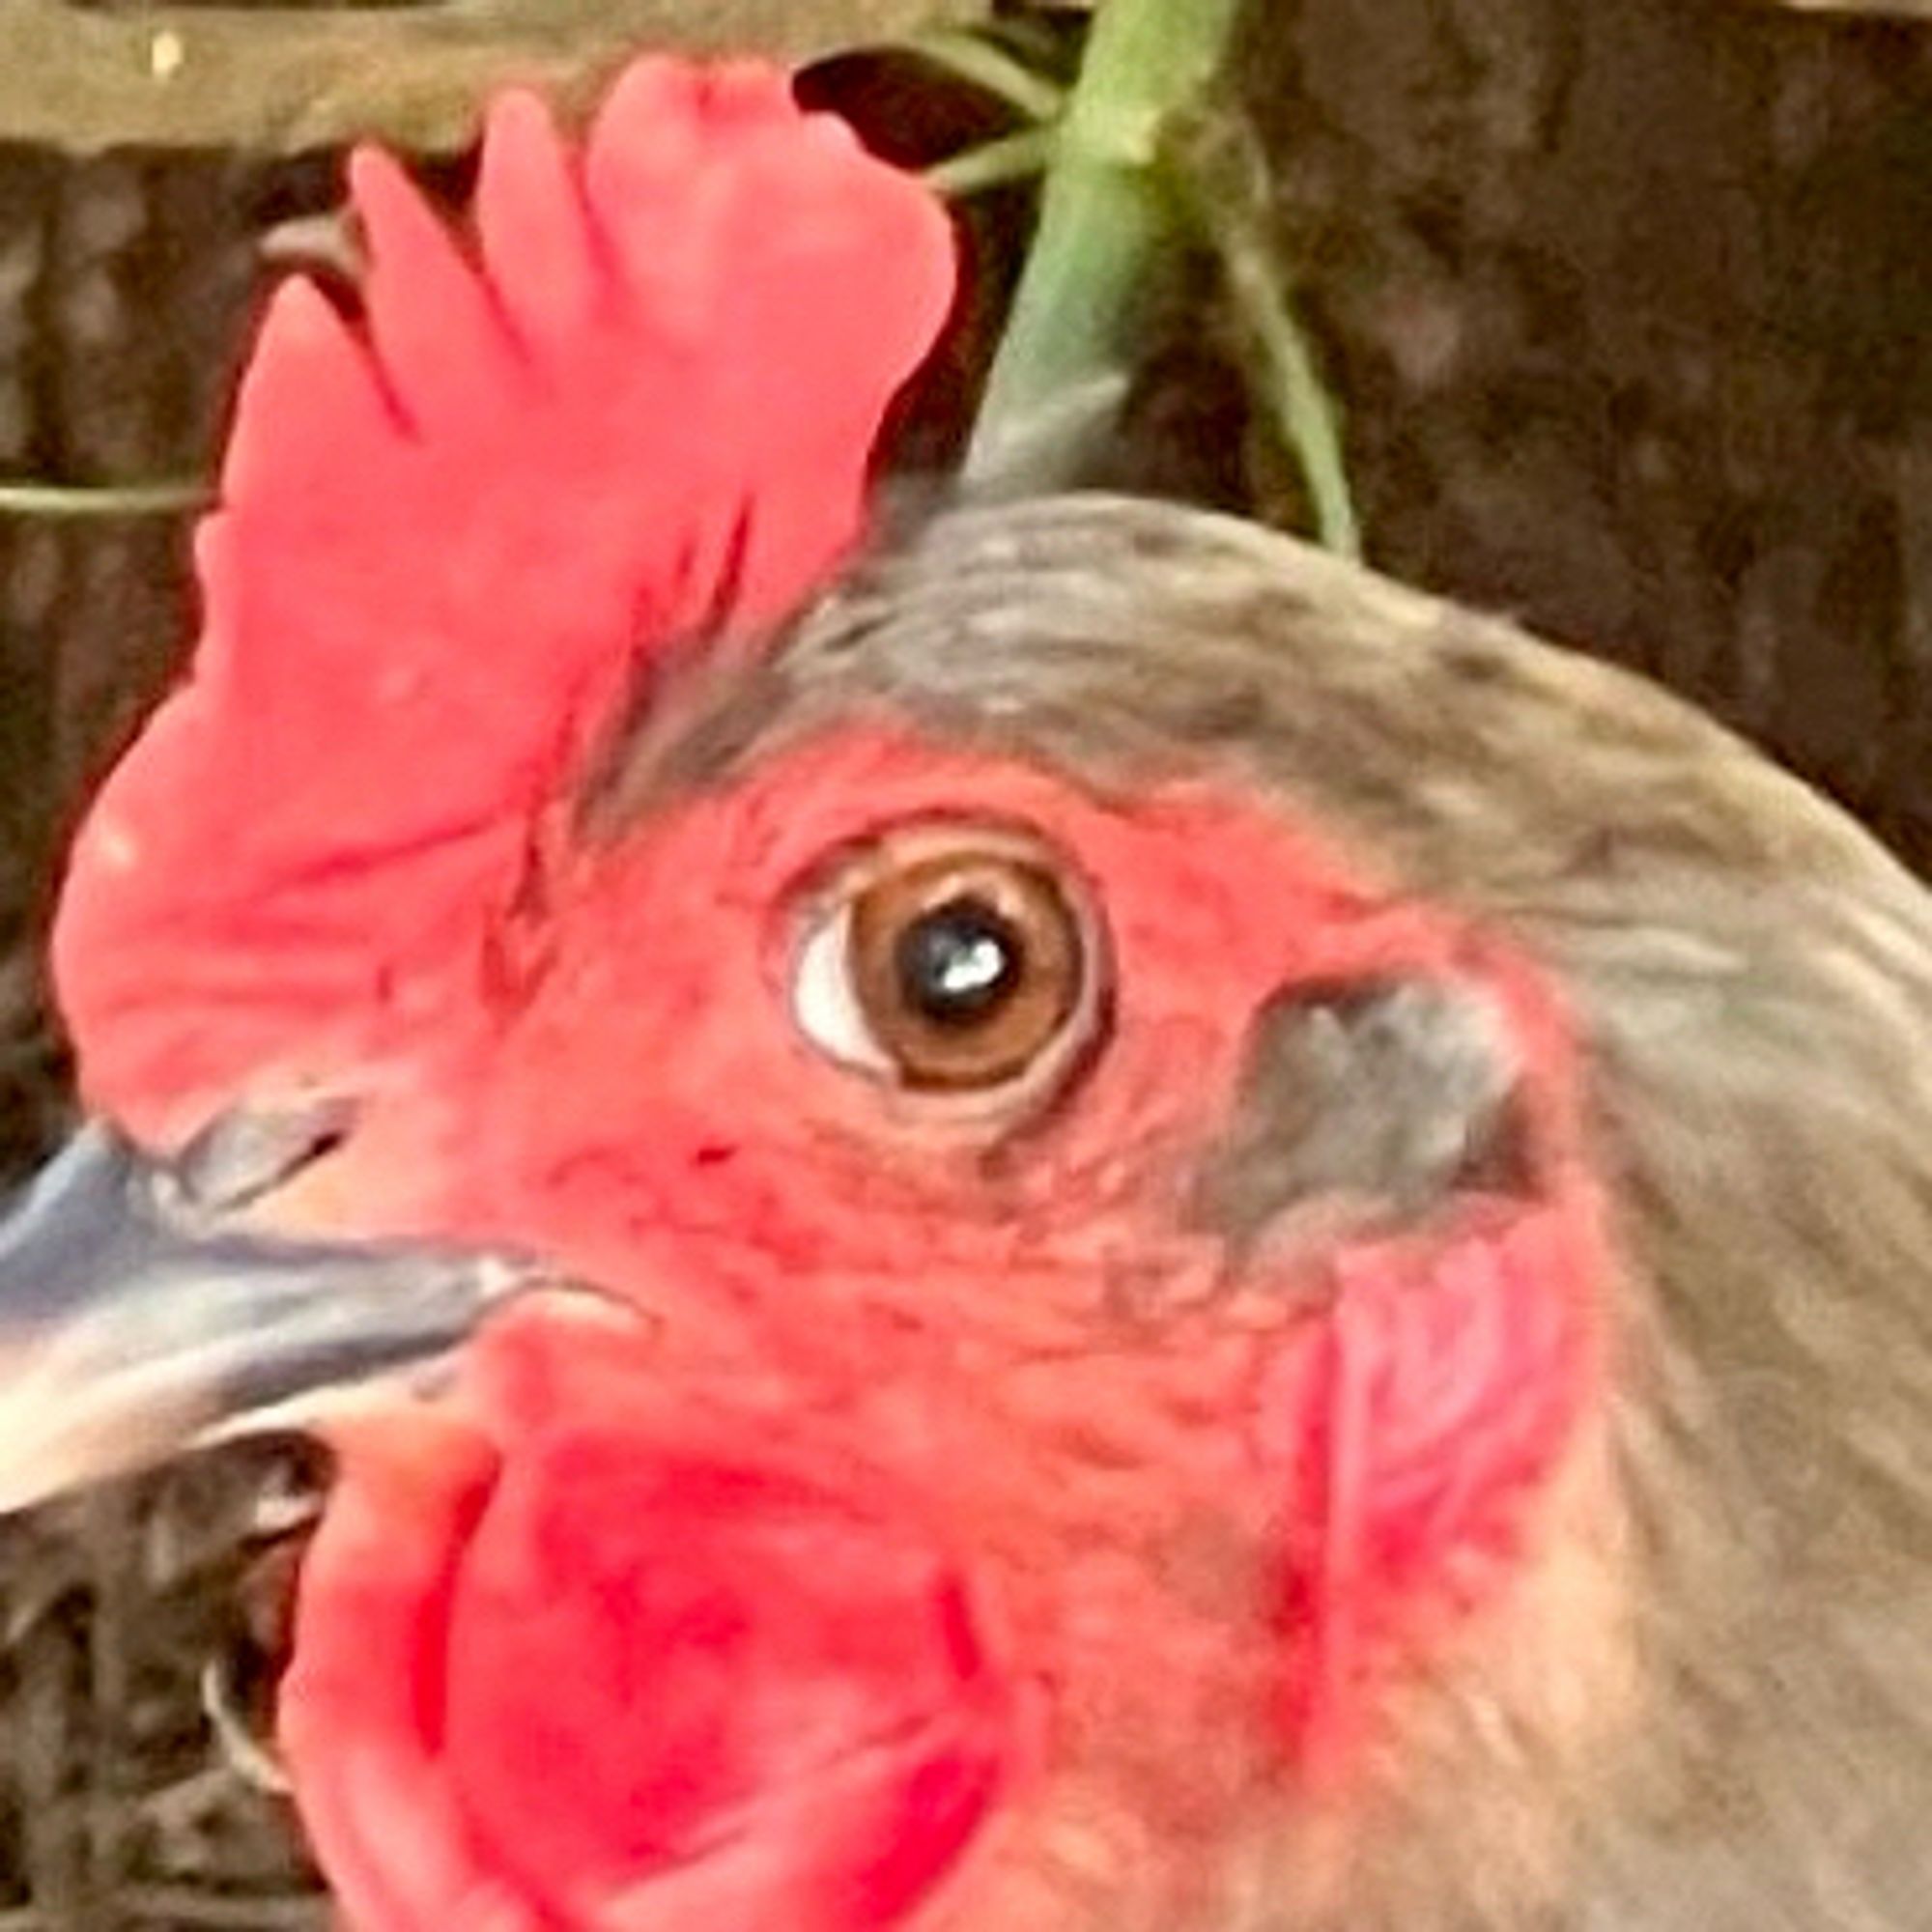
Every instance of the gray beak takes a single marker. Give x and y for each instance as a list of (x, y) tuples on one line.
[(140, 1313)]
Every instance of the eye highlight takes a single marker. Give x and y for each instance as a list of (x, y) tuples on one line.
[(951, 962)]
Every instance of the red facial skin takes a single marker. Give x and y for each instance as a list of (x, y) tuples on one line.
[(1286, 1486), (954, 1538)]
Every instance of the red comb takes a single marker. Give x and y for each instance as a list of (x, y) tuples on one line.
[(448, 539)]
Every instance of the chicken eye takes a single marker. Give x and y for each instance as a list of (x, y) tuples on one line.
[(950, 967)]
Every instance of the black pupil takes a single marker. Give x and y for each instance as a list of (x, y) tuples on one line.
[(958, 963)]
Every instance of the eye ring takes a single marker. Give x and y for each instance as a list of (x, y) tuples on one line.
[(953, 960)]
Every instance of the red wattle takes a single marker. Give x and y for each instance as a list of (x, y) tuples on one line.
[(648, 1687), (658, 1665)]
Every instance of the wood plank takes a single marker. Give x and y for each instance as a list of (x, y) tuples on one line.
[(284, 80)]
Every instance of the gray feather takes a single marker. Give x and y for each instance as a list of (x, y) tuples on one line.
[(1753, 976)]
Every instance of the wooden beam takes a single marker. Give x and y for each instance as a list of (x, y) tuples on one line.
[(267, 79)]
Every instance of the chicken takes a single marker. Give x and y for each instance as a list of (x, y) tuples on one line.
[(1116, 1227)]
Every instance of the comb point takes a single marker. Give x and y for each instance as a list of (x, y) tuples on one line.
[(440, 343), (533, 227)]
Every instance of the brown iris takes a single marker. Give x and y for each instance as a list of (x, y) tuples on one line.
[(968, 967)]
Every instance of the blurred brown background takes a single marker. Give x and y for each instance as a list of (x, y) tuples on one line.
[(1626, 304)]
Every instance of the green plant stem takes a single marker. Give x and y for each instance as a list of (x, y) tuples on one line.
[(1303, 415), (1106, 220), (993, 70), (992, 164), (65, 501)]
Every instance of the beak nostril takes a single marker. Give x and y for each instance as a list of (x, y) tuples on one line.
[(246, 1153)]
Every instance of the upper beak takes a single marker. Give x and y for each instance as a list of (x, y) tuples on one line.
[(141, 1312)]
